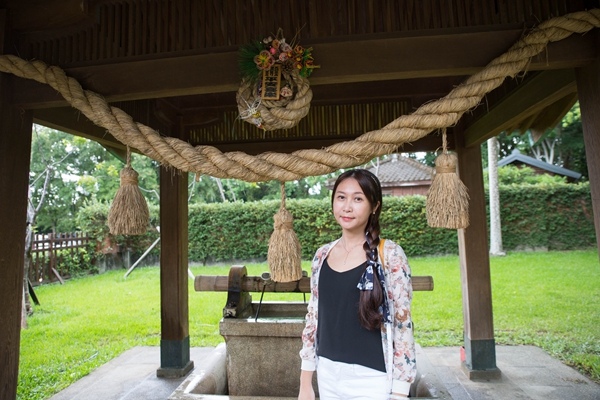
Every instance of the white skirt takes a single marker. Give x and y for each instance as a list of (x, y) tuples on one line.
[(339, 380)]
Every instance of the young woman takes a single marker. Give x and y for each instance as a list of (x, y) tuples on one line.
[(359, 333)]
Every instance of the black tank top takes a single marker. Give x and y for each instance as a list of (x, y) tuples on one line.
[(340, 335)]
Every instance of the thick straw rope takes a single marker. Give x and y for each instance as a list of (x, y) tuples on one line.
[(286, 167)]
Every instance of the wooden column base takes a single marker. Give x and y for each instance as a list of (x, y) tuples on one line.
[(174, 358), (480, 360)]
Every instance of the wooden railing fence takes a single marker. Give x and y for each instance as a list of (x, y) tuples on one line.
[(54, 256)]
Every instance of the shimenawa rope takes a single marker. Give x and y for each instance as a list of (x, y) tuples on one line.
[(208, 160)]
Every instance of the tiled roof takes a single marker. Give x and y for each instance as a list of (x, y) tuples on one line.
[(397, 171), (400, 169)]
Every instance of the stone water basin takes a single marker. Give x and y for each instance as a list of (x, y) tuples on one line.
[(259, 359)]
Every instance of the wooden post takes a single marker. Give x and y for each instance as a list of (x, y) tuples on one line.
[(175, 339), (52, 257), (588, 89), (480, 347), (15, 150)]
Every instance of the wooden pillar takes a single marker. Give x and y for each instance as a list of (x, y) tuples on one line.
[(479, 343), (588, 89), (175, 339), (15, 149)]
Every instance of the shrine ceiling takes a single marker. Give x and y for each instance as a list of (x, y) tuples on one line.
[(173, 65)]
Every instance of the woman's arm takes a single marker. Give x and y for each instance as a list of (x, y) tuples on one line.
[(308, 352), (404, 362)]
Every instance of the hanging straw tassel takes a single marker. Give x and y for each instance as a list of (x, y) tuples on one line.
[(128, 213), (447, 198), (284, 256)]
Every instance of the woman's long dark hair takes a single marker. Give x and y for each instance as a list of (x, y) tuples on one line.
[(370, 300)]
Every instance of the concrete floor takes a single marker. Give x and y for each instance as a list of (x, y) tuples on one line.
[(527, 373)]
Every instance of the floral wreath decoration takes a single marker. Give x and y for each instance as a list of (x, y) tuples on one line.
[(274, 93)]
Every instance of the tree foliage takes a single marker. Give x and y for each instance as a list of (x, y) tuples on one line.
[(64, 157), (572, 143), (84, 171), (513, 175), (81, 170), (534, 216), (562, 145)]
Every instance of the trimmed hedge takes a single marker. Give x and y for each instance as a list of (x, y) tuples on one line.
[(241, 231), (552, 217), (93, 219)]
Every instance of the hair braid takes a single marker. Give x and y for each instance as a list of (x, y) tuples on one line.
[(370, 300)]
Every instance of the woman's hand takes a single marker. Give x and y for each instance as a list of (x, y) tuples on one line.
[(306, 389), (306, 393)]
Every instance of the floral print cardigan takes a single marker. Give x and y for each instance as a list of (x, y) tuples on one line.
[(397, 340)]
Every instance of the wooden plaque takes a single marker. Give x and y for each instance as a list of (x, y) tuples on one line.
[(271, 83)]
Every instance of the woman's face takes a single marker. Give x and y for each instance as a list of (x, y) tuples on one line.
[(351, 207)]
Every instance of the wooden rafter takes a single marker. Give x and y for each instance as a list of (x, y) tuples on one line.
[(531, 97), (381, 60)]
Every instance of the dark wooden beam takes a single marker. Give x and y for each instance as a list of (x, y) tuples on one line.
[(531, 97), (421, 89), (40, 15), (69, 120), (377, 91), (428, 143), (15, 150), (588, 83), (551, 115), (175, 337), (480, 347), (442, 53)]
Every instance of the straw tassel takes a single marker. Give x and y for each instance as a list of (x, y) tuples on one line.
[(284, 256), (128, 213), (448, 198)]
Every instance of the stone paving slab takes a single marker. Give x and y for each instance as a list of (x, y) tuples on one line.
[(131, 376), (527, 373)]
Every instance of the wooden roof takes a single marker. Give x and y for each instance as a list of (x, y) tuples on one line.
[(517, 158), (174, 63), (396, 171)]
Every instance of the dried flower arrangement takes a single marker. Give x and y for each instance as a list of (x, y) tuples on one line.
[(274, 93)]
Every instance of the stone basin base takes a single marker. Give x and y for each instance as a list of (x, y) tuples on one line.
[(259, 360), (262, 353)]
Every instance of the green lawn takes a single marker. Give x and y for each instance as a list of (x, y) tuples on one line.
[(551, 300)]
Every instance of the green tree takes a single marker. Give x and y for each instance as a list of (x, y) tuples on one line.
[(507, 142), (206, 190), (562, 145), (572, 146), (80, 170), (513, 175), (53, 155)]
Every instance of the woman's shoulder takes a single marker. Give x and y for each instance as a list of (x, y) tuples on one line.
[(324, 250), (393, 249), (391, 245)]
